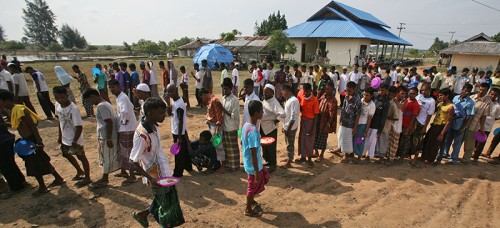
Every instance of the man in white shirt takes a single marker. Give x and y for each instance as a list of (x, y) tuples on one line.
[(344, 78), (256, 77), (70, 135), (290, 123), (199, 84), (427, 108), (6, 80), (460, 81), (247, 96), (223, 73), (153, 82), (488, 123), (231, 124), (21, 91), (394, 75), (355, 75), (235, 79), (42, 92), (126, 127), (334, 75), (273, 113), (177, 110)]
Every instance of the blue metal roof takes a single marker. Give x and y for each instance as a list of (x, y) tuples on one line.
[(361, 14), (342, 27)]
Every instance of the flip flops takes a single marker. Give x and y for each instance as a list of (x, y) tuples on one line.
[(97, 184), (144, 223), (56, 183), (128, 182), (38, 193), (253, 213)]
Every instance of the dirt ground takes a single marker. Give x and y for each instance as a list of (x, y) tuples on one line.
[(329, 195)]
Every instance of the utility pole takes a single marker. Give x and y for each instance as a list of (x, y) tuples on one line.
[(451, 38), (401, 24)]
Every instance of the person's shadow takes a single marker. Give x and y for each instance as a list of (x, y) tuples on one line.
[(292, 219)]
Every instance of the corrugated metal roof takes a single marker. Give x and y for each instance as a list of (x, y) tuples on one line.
[(361, 14), (474, 48), (342, 27)]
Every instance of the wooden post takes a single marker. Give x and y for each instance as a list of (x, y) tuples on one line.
[(397, 53), (403, 55)]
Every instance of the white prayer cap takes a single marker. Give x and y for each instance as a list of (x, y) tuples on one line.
[(344, 67), (143, 87), (270, 87)]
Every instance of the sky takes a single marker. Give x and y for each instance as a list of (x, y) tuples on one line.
[(114, 21)]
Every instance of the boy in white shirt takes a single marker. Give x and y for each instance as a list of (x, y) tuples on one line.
[(152, 163), (126, 127), (291, 123), (70, 135), (236, 79)]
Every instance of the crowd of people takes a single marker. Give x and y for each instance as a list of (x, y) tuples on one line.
[(386, 115)]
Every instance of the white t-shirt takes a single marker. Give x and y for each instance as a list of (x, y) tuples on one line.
[(266, 73), (335, 78), (20, 80), (223, 75), (367, 109), (69, 118), (459, 84), (427, 108), (236, 77), (184, 78), (292, 112), (494, 114), (344, 78), (125, 110), (179, 103), (153, 80), (255, 77), (394, 77), (41, 80), (148, 150), (104, 111), (246, 115), (5, 77), (355, 77), (199, 84)]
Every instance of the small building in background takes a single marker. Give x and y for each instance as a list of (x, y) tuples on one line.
[(188, 50), (337, 33), (248, 48), (479, 51)]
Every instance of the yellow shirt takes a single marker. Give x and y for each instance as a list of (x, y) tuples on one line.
[(18, 113), (442, 113)]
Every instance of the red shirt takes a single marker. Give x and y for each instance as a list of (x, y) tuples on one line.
[(412, 108), (166, 79)]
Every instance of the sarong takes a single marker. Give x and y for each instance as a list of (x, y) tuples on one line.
[(393, 143), (108, 157), (321, 138), (230, 141), (126, 140), (371, 142), (166, 208), (254, 188), (154, 91), (418, 138), (306, 142), (431, 146), (405, 145), (345, 140), (359, 148), (221, 155), (37, 164)]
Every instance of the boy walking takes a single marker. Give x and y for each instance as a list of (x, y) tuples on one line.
[(152, 163), (291, 123), (106, 136), (70, 135), (38, 163), (258, 176), (126, 126)]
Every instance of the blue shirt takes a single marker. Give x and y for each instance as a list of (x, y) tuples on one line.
[(134, 81), (463, 108), (250, 138), (126, 78)]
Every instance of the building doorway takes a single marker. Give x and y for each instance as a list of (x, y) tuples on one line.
[(303, 53)]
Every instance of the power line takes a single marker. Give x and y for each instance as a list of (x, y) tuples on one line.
[(432, 34), (486, 5)]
